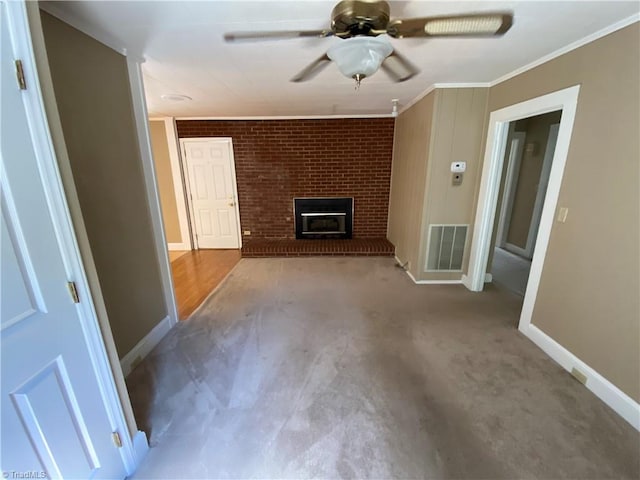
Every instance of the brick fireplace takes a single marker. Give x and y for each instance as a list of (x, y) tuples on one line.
[(323, 218), (279, 160)]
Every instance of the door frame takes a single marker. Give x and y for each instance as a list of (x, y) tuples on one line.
[(183, 162), (178, 183), (545, 175), (565, 100), (510, 186), (133, 448)]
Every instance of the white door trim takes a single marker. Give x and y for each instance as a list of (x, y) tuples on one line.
[(178, 185), (545, 173), (510, 186), (566, 100), (229, 142), (133, 449), (153, 196)]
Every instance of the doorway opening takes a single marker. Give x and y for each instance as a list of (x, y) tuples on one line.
[(530, 146), (198, 193), (501, 123)]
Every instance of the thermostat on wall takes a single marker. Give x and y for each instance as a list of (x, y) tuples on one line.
[(458, 167)]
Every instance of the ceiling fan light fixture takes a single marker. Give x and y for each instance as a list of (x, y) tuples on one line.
[(360, 57), (488, 24)]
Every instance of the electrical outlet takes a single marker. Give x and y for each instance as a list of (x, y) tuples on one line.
[(247, 232), (578, 375)]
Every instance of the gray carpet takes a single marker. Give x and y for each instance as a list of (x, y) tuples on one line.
[(510, 271), (343, 368)]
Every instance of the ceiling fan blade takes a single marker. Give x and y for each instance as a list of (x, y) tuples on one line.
[(398, 67), (476, 25), (312, 69), (275, 35)]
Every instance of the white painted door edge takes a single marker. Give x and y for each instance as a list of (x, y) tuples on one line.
[(229, 142), (52, 181)]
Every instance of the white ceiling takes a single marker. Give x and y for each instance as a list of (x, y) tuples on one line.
[(185, 54)]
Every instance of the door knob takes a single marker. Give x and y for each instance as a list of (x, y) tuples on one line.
[(231, 204)]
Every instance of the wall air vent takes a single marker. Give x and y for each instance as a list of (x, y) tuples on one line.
[(445, 248)]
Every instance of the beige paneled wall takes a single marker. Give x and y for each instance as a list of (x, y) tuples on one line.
[(458, 128), (164, 177), (93, 97), (445, 126), (588, 297), (408, 179)]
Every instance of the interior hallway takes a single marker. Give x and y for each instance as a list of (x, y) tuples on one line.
[(196, 273), (342, 367), (510, 271)]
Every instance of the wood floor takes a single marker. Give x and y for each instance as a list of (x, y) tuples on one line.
[(196, 273)]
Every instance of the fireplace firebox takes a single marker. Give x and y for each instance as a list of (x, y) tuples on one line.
[(323, 217)]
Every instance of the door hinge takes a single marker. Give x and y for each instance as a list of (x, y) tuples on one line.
[(117, 441), (22, 83), (73, 291)]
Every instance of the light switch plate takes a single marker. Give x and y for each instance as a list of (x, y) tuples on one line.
[(562, 214)]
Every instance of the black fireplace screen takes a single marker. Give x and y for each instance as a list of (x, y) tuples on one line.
[(323, 217)]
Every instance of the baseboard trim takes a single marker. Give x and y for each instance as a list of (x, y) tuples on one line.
[(145, 345), (515, 250), (615, 398), (178, 246), (427, 282), (140, 448), (488, 278)]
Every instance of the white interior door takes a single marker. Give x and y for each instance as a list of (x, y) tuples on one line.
[(213, 203), (54, 421)]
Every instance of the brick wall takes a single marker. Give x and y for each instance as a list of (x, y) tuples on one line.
[(277, 160)]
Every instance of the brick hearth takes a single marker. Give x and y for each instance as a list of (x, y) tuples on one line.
[(379, 247)]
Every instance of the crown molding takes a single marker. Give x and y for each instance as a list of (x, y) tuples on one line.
[(53, 8), (546, 58), (436, 86), (568, 48), (416, 99)]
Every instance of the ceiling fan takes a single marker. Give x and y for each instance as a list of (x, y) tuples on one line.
[(365, 26)]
